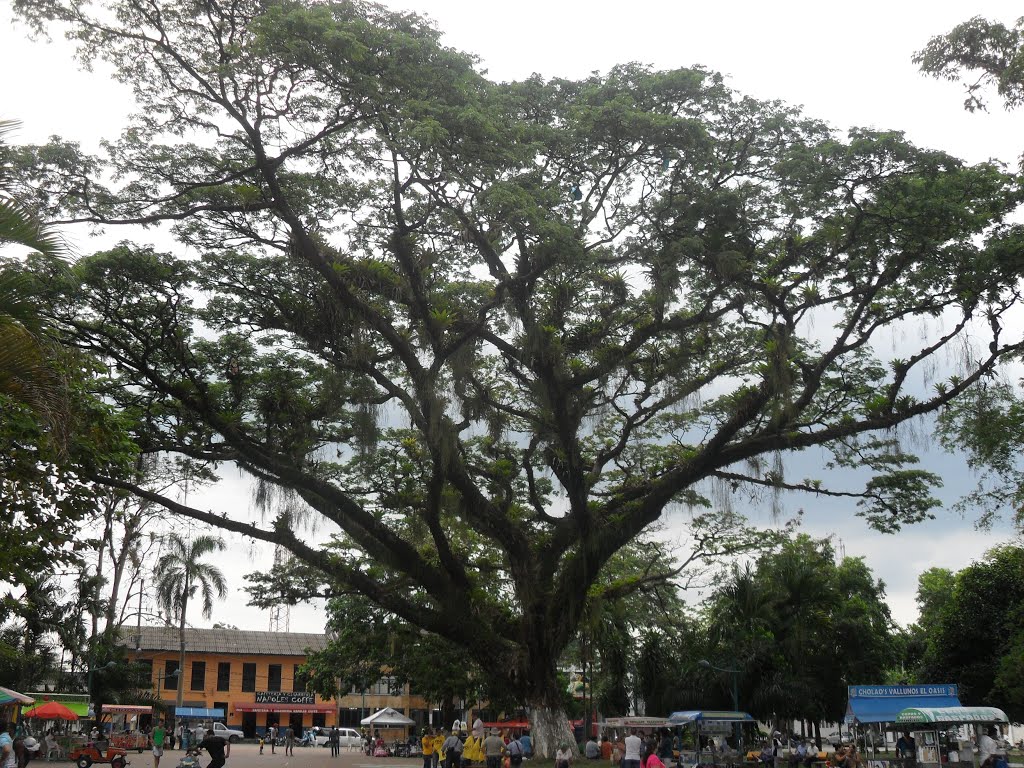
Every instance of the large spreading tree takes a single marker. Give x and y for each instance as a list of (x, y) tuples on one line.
[(493, 331)]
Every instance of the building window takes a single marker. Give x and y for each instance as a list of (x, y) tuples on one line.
[(223, 675), (198, 676), (273, 677), (248, 677), (298, 680), (386, 686), (170, 679), (350, 717)]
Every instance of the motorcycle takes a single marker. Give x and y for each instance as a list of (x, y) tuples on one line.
[(190, 759)]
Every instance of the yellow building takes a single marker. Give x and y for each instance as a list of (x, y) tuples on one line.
[(253, 678)]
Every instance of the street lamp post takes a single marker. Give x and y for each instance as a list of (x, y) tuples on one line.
[(88, 684), (160, 678), (737, 731)]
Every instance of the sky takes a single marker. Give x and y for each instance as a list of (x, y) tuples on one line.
[(847, 63)]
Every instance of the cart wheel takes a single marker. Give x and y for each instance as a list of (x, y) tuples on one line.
[(118, 762), (84, 761)]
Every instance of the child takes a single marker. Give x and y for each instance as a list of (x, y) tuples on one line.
[(261, 743)]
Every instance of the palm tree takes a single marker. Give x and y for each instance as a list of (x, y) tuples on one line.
[(179, 574), (27, 373), (18, 225)]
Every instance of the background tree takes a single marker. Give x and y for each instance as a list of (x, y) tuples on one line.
[(180, 575), (800, 627), (52, 432), (539, 314), (991, 52), (979, 632)]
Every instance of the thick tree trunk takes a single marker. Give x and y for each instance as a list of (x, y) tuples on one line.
[(549, 727)]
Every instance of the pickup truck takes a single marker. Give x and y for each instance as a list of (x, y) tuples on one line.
[(233, 735)]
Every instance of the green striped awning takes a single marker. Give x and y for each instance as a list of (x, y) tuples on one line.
[(920, 715)]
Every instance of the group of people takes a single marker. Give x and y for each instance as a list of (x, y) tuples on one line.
[(458, 747), (641, 750), (217, 747), (273, 734), (16, 750)]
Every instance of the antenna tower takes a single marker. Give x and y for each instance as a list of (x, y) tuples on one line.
[(280, 614)]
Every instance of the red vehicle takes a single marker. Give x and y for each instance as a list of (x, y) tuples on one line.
[(90, 753)]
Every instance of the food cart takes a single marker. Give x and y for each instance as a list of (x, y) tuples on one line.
[(125, 732), (930, 727), (714, 722)]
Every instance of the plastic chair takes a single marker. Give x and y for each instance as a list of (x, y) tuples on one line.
[(53, 749)]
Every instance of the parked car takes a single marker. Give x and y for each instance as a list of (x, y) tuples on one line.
[(219, 729), (347, 737)]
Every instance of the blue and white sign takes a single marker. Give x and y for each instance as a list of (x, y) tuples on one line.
[(889, 691)]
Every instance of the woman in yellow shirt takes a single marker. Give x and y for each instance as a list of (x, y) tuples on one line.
[(438, 743), (428, 748)]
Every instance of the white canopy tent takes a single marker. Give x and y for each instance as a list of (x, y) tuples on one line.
[(387, 718)]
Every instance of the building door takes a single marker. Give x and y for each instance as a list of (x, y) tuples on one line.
[(295, 721), (249, 724)]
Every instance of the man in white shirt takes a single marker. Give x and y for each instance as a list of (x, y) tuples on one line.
[(7, 757), (988, 749), (633, 746)]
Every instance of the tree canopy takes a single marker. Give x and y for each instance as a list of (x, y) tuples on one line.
[(975, 633), (492, 332), (989, 51), (801, 625)]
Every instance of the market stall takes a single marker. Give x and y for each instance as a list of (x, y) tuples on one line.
[(877, 706), (707, 722), (125, 732), (388, 719), (935, 742), (11, 703)]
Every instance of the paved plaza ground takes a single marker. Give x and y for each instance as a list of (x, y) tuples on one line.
[(248, 756)]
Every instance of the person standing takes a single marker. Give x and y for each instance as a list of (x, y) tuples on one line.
[(494, 748), (7, 757), (452, 749), (334, 737), (427, 744), (217, 747), (438, 742), (906, 749), (272, 735), (515, 752), (289, 741), (633, 745), (156, 742), (527, 743)]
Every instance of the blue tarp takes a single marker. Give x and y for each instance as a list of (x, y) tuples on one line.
[(708, 715), (882, 703), (199, 713)]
